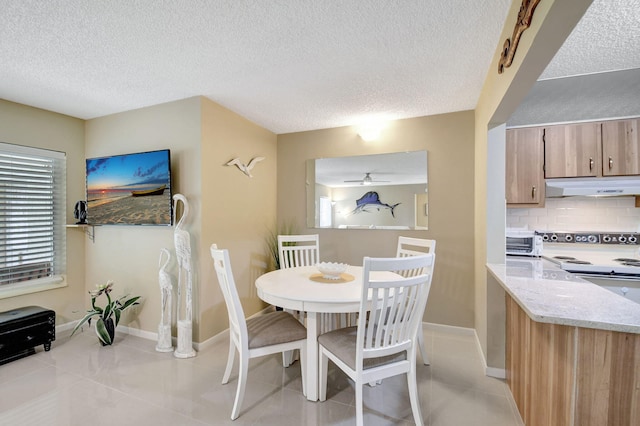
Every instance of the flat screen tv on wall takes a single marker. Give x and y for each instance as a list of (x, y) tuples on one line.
[(130, 189)]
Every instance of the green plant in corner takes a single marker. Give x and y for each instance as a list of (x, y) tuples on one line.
[(272, 241), (106, 325)]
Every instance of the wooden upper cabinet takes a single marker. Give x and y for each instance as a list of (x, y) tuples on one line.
[(620, 148), (524, 167), (572, 151)]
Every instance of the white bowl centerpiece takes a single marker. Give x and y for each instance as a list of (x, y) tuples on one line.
[(331, 270)]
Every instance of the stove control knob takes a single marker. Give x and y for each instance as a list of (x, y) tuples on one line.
[(606, 239), (568, 238), (632, 239), (545, 237), (592, 239), (554, 237), (622, 239)]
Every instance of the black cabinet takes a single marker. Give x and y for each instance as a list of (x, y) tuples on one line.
[(22, 329)]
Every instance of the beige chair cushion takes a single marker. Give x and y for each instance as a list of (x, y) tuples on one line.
[(274, 328), (342, 343)]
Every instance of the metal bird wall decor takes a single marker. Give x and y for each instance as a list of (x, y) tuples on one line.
[(246, 169)]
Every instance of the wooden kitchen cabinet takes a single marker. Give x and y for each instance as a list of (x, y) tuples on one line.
[(572, 150), (595, 149), (620, 148), (524, 179), (539, 368), (573, 376)]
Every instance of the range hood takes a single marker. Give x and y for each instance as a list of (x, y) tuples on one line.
[(623, 185)]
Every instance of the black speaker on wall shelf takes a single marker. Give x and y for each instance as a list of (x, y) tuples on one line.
[(80, 212)]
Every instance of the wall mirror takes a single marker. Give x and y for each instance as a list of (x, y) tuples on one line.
[(380, 191)]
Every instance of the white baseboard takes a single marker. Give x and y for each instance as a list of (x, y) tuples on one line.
[(453, 329), (498, 373), (223, 335), (463, 331), (149, 335), (65, 327), (62, 328)]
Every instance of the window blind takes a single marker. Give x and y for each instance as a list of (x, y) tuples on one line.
[(32, 214)]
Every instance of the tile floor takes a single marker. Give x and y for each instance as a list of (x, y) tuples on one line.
[(79, 383)]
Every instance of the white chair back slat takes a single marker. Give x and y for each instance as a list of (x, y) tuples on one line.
[(408, 246), (397, 305), (298, 250)]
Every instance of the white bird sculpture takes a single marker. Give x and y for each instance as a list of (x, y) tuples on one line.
[(166, 288), (182, 241), (245, 169)]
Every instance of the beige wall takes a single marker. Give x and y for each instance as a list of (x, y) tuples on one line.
[(202, 136), (238, 211), (23, 125), (226, 206), (501, 94), (129, 255), (448, 138)]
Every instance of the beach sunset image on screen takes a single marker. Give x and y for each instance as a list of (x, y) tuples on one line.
[(130, 189)]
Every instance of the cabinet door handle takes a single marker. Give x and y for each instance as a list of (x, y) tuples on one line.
[(610, 163), (533, 191), (590, 164)]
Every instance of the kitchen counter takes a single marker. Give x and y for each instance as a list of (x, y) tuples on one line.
[(570, 347), (550, 295)]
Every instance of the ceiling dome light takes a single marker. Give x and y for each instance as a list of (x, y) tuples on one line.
[(371, 129), (369, 134)]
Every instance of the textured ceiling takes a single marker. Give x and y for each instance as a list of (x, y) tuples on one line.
[(589, 97), (606, 39), (287, 65), (596, 73)]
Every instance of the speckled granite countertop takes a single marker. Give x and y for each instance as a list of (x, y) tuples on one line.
[(550, 295)]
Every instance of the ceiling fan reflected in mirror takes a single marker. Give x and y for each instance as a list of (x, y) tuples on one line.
[(367, 180)]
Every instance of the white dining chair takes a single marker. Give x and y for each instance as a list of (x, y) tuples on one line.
[(257, 336), (408, 246), (383, 344), (293, 251), (298, 250), (304, 250)]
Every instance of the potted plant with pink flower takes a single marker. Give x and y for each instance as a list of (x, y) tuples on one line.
[(109, 316)]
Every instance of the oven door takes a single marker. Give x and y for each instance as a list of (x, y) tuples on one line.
[(519, 245), (524, 245)]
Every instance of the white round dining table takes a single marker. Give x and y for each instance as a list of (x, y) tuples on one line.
[(293, 288)]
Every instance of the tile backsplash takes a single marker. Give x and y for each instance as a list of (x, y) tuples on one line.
[(608, 214)]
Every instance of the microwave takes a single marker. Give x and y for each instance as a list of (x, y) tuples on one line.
[(522, 242)]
